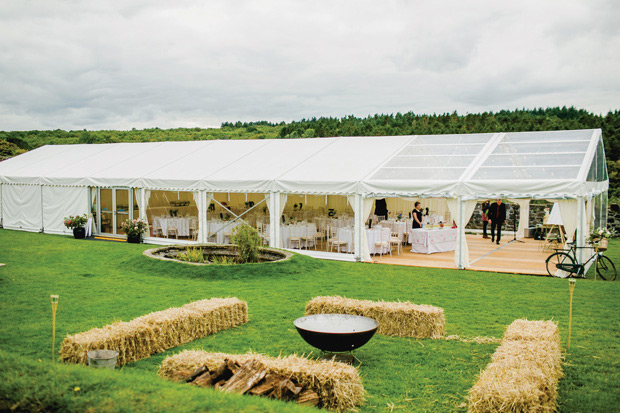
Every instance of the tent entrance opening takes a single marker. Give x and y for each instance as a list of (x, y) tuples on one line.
[(116, 205)]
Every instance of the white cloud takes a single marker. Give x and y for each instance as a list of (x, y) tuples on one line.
[(119, 64)]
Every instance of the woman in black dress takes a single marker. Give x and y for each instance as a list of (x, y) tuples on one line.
[(416, 214)]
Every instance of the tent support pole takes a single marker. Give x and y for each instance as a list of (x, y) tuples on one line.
[(202, 215), (359, 226), (581, 227), (274, 227), (460, 232)]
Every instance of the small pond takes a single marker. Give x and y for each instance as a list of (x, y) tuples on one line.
[(213, 254)]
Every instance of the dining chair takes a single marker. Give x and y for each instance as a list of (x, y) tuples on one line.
[(395, 241), (172, 231)]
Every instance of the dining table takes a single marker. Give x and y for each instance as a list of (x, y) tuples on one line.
[(429, 241), (182, 224)]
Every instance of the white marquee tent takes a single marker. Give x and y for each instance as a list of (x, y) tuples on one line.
[(39, 187)]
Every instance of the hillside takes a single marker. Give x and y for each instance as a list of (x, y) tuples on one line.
[(15, 142)]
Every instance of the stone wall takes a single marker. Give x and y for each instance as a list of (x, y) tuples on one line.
[(537, 213)]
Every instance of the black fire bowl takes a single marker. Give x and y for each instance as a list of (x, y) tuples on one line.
[(336, 332)]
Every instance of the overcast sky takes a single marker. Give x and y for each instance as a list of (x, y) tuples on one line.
[(146, 63)]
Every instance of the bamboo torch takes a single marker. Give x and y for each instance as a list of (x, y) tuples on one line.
[(54, 307), (571, 288)]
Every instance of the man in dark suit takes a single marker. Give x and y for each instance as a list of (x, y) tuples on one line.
[(497, 216)]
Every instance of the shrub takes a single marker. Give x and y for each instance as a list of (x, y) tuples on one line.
[(192, 254), (248, 240)]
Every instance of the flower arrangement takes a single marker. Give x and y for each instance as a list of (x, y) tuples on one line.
[(74, 222), (400, 217), (600, 233), (134, 227)]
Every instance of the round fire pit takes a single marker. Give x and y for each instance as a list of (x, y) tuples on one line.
[(336, 332)]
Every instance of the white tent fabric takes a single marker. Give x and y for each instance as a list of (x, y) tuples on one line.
[(59, 202), (21, 207), (524, 215), (557, 165)]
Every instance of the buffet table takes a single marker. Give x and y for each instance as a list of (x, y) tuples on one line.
[(429, 241)]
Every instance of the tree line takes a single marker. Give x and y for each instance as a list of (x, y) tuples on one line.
[(520, 120)]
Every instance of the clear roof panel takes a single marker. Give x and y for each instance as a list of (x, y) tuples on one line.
[(439, 157), (536, 155)]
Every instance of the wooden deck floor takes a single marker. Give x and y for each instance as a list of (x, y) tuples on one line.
[(524, 257)]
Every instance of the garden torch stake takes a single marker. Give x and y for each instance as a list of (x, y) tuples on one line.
[(571, 287), (54, 307)]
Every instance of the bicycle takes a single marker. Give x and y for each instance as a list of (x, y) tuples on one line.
[(566, 260)]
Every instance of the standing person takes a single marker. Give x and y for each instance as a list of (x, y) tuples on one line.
[(497, 216), (416, 214), (485, 218)]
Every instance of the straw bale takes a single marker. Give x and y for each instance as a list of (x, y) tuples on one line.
[(158, 331), (524, 372), (338, 384), (403, 319)]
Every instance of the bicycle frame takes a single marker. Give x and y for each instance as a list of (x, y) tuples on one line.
[(578, 269)]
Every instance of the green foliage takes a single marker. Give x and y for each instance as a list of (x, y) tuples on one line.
[(119, 283), (134, 227), (71, 388), (520, 120), (248, 241), (8, 150), (77, 221), (192, 254), (223, 260)]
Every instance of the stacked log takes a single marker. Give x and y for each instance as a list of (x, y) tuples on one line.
[(327, 384)]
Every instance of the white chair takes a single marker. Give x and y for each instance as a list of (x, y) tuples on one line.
[(310, 236), (295, 237), (395, 241), (383, 243), (172, 231)]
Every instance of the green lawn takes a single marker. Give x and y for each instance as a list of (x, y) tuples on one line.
[(100, 282)]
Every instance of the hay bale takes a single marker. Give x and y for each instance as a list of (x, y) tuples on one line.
[(338, 384), (158, 331), (524, 372), (395, 318)]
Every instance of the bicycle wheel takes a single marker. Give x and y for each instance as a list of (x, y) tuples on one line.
[(606, 269), (558, 258)]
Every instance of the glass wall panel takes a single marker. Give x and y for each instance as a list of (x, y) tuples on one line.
[(107, 211), (122, 209)]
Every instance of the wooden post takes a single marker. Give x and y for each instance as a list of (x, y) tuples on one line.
[(571, 287), (54, 307)]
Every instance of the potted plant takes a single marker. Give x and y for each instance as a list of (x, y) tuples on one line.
[(599, 237), (134, 228), (77, 224)]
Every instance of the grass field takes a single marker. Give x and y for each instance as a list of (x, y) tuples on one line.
[(101, 282)]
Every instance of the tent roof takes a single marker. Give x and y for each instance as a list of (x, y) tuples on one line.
[(554, 164)]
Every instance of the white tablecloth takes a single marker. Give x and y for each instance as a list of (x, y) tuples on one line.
[(296, 230), (425, 241), (219, 228), (373, 235), (181, 224)]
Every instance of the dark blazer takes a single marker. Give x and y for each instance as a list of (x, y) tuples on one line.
[(493, 212)]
